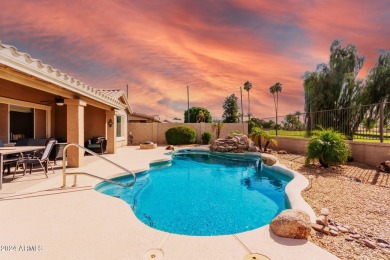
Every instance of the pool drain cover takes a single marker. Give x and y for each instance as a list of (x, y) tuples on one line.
[(153, 254), (255, 256)]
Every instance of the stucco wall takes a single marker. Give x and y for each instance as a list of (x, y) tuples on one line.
[(155, 132), (40, 123), (94, 122), (364, 152)]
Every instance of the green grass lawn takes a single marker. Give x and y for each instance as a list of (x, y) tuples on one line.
[(287, 133), (360, 137)]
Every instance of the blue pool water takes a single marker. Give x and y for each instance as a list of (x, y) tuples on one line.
[(204, 195)]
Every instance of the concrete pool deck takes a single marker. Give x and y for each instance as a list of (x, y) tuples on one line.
[(44, 221)]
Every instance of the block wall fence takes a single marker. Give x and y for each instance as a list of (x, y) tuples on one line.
[(363, 152), (155, 132)]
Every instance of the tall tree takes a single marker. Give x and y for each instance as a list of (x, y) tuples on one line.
[(378, 87), (248, 87), (194, 115), (276, 88), (334, 86), (230, 107)]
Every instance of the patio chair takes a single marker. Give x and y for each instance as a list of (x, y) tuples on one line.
[(44, 159), (96, 144)]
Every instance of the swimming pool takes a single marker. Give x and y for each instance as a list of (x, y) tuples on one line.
[(204, 194)]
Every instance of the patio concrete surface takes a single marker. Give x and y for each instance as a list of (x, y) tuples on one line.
[(41, 220)]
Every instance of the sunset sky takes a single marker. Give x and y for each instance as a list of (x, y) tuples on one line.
[(158, 47)]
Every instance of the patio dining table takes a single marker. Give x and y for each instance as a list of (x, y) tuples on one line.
[(14, 150)]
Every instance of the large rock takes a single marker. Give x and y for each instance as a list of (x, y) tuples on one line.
[(292, 223), (234, 143), (268, 159)]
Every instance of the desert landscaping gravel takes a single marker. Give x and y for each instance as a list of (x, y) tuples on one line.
[(358, 197)]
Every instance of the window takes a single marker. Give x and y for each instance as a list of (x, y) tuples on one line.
[(21, 122), (120, 126)]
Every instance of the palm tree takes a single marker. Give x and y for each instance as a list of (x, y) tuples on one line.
[(276, 88), (269, 140), (258, 135), (216, 127), (248, 87)]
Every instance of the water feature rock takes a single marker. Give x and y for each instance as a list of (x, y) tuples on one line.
[(252, 148), (291, 223), (268, 159), (231, 143)]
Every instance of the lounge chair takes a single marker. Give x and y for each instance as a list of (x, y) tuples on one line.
[(44, 159)]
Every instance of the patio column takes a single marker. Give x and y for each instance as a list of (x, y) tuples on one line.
[(75, 130), (111, 131)]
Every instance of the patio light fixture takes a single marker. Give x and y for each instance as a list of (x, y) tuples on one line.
[(59, 101), (110, 122)]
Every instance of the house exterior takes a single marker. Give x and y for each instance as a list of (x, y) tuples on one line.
[(143, 118), (39, 101)]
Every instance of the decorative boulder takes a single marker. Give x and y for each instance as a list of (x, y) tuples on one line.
[(268, 160), (235, 143), (291, 223), (170, 147), (252, 148)]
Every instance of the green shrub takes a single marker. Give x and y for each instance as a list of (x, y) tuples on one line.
[(206, 137), (328, 146), (235, 132), (180, 135)]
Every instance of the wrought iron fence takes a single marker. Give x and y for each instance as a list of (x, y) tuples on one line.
[(369, 122)]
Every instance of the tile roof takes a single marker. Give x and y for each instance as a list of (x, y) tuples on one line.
[(23, 62)]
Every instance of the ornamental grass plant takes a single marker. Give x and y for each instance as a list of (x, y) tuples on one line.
[(328, 146)]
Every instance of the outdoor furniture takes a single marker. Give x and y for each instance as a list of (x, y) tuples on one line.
[(7, 160), (30, 142), (96, 144), (147, 145), (14, 150), (56, 153), (43, 160)]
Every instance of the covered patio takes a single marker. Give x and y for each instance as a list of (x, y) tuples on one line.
[(38, 101)]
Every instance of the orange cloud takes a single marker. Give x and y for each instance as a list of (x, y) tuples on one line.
[(159, 48)]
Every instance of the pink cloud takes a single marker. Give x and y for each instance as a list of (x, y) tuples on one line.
[(159, 48)]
